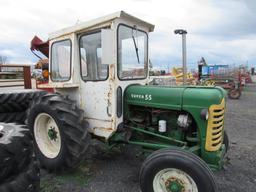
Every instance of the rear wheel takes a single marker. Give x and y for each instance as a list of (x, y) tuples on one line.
[(17, 101), (60, 133), (234, 94), (15, 148), (14, 117), (172, 170), (28, 180)]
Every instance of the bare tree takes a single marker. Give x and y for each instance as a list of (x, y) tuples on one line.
[(3, 59)]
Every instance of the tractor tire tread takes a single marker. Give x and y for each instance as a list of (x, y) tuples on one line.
[(178, 154), (69, 119), (17, 101), (15, 150), (27, 180)]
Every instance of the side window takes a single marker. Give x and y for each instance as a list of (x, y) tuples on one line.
[(90, 58), (61, 60)]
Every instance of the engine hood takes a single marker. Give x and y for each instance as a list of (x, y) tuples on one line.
[(173, 97)]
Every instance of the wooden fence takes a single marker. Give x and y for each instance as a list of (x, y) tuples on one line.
[(11, 79)]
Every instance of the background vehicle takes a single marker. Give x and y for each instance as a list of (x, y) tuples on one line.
[(224, 76)]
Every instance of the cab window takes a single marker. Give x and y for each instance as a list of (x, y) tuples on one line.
[(90, 58), (61, 60)]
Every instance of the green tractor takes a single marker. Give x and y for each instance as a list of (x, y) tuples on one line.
[(99, 71)]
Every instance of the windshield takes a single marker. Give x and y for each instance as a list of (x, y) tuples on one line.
[(132, 53)]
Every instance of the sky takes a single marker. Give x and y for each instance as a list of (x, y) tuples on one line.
[(221, 31)]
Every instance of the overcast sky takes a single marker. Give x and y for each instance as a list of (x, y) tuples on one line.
[(222, 31)]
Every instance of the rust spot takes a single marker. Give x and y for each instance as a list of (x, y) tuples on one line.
[(112, 72)]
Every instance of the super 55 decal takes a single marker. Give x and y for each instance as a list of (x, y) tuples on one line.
[(146, 97)]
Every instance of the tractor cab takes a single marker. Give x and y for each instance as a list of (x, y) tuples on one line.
[(94, 62)]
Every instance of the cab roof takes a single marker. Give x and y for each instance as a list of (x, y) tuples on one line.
[(99, 21)]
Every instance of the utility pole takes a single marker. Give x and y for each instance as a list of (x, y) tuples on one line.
[(183, 33)]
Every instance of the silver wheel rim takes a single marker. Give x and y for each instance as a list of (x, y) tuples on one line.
[(165, 177), (47, 135)]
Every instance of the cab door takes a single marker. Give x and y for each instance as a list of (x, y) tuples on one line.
[(97, 86)]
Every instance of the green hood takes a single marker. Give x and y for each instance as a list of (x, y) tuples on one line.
[(175, 98)]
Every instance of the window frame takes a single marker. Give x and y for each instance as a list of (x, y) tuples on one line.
[(79, 40), (70, 64), (118, 64)]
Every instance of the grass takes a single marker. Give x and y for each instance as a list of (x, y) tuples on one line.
[(56, 183), (77, 179)]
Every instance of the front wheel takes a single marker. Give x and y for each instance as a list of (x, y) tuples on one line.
[(172, 170), (226, 141)]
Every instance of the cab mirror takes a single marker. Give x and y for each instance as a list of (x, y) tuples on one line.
[(107, 44)]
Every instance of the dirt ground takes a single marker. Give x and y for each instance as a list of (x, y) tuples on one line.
[(118, 172)]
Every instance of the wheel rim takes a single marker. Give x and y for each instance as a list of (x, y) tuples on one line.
[(173, 180), (234, 94), (47, 135), (1, 131)]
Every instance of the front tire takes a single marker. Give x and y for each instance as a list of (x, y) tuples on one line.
[(60, 133), (172, 170), (226, 141)]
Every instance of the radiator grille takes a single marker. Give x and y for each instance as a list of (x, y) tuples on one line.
[(214, 134)]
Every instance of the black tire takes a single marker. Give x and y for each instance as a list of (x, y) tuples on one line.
[(182, 160), (226, 141), (15, 148), (234, 94), (17, 117), (17, 101), (26, 181), (73, 131)]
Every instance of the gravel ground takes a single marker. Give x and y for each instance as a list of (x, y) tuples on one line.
[(118, 172), (240, 123)]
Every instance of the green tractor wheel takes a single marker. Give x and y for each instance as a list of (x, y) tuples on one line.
[(172, 170)]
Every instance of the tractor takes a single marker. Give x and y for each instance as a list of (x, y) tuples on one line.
[(99, 71), (224, 76)]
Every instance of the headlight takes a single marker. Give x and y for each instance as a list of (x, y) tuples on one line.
[(204, 114)]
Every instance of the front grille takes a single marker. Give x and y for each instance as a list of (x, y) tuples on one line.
[(214, 134)]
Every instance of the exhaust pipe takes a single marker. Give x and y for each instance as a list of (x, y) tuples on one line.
[(183, 33)]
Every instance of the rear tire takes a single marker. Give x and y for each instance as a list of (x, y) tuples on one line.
[(17, 117), (15, 148), (172, 169), (26, 181), (58, 121), (17, 101)]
